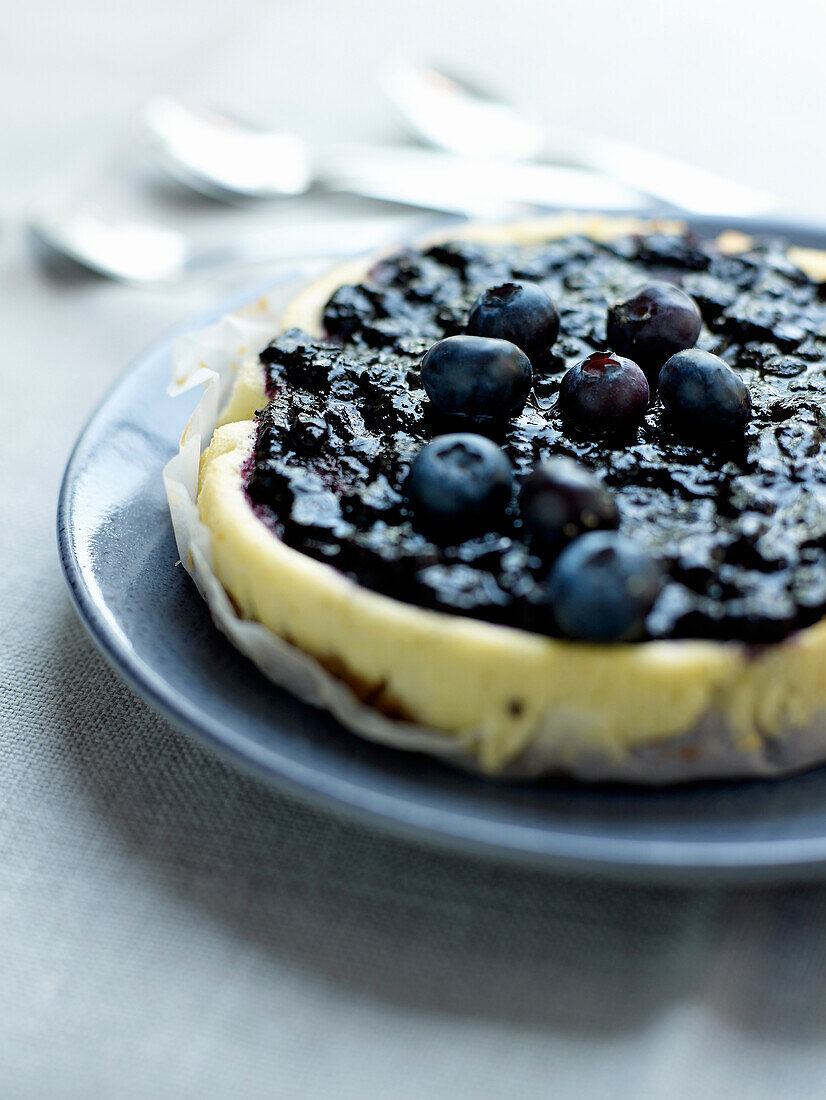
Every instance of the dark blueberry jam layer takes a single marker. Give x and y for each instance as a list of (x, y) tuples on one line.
[(741, 531)]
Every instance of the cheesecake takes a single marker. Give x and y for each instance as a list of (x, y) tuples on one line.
[(552, 495)]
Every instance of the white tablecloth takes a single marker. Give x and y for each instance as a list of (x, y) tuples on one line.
[(171, 928)]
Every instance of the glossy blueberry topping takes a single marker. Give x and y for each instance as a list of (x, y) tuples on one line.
[(739, 530), (604, 395), (652, 324), (460, 484), (521, 312), (562, 499), (477, 378), (703, 397), (602, 588), (309, 432)]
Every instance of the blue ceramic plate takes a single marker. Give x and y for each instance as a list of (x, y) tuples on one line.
[(146, 616)]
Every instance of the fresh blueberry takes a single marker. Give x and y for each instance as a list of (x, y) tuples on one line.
[(460, 483), (653, 323), (703, 396), (477, 377), (560, 500), (602, 588), (520, 312), (604, 395)]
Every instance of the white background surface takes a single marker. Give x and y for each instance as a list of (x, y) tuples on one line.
[(168, 928)]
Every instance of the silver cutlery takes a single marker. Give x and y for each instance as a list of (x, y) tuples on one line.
[(139, 252), (449, 113), (228, 159), (225, 158), (472, 186)]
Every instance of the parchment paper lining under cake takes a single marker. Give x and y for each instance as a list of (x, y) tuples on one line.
[(212, 358)]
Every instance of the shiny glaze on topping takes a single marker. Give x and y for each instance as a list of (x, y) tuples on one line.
[(739, 527)]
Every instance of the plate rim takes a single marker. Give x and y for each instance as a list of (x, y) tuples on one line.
[(553, 850)]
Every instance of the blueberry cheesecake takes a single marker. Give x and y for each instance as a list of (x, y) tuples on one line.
[(555, 491)]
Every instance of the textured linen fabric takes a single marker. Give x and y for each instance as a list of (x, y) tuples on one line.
[(172, 928)]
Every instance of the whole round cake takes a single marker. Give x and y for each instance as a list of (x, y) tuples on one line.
[(547, 497)]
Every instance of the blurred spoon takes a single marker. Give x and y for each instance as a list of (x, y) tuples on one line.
[(227, 159), (450, 113), (223, 158), (138, 252)]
